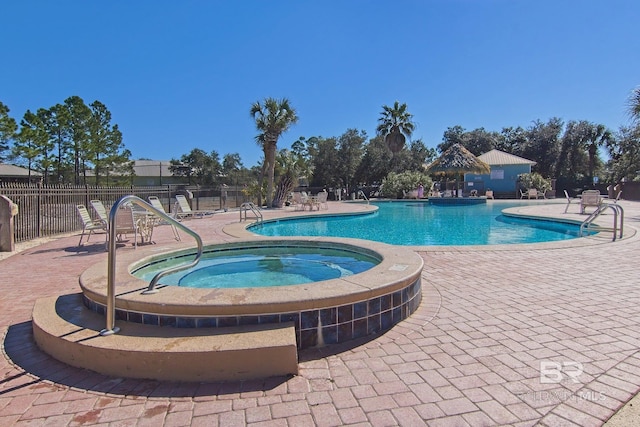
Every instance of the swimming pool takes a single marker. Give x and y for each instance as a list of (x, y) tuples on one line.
[(422, 224)]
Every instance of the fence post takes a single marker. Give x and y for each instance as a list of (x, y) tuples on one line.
[(8, 210)]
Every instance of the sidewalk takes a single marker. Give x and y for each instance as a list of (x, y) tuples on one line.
[(472, 354)]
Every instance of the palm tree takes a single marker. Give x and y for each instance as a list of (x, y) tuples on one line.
[(273, 117), (634, 104), (394, 125)]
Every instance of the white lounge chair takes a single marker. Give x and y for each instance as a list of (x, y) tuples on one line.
[(183, 210), (569, 200), (90, 225), (100, 210), (156, 203)]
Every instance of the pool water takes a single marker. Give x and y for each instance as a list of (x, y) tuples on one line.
[(261, 267), (422, 224)]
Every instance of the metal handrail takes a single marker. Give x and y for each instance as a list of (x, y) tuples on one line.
[(364, 196), (246, 206), (617, 210), (111, 328)]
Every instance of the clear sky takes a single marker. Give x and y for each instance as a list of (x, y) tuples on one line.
[(178, 75)]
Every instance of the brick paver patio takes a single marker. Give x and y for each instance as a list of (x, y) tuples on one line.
[(471, 354)]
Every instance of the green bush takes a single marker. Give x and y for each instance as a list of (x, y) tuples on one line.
[(395, 185), (534, 180)]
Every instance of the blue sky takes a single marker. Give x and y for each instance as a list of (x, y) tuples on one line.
[(178, 75)]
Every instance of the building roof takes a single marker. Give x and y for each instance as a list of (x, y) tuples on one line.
[(497, 157), (16, 171)]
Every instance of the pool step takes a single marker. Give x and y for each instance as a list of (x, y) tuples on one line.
[(66, 330)]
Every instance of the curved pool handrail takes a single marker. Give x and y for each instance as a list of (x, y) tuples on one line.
[(111, 261)]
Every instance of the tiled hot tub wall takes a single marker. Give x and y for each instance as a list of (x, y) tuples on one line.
[(314, 327)]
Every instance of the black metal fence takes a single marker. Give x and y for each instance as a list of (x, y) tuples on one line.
[(51, 210)]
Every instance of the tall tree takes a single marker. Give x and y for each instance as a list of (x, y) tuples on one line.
[(77, 120), (395, 125), (634, 104), (273, 117), (451, 136), (33, 143), (103, 147), (203, 168), (512, 140), (8, 128), (543, 145), (624, 153), (376, 161), (350, 151), (56, 121), (324, 163)]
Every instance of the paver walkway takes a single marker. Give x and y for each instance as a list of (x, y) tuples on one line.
[(472, 354)]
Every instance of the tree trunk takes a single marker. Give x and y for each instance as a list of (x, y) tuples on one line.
[(270, 160)]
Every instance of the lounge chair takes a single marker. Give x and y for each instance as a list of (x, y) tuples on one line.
[(618, 196), (90, 225), (532, 193), (100, 210), (156, 203), (569, 200), (183, 210), (524, 194)]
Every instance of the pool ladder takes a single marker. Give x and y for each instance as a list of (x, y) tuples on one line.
[(617, 211), (111, 327), (364, 196), (249, 206)]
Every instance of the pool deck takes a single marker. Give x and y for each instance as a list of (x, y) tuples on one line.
[(491, 317)]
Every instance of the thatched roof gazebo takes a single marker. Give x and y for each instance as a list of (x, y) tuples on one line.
[(456, 161)]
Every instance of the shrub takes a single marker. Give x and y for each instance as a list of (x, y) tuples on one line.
[(394, 185), (534, 180)]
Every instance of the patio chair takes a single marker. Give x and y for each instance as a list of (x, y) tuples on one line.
[(489, 194), (126, 223), (156, 203), (590, 198), (322, 200), (532, 193), (90, 225), (183, 210), (524, 194), (299, 201)]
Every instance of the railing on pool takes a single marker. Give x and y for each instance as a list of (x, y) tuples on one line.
[(617, 211), (248, 206), (111, 262)]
